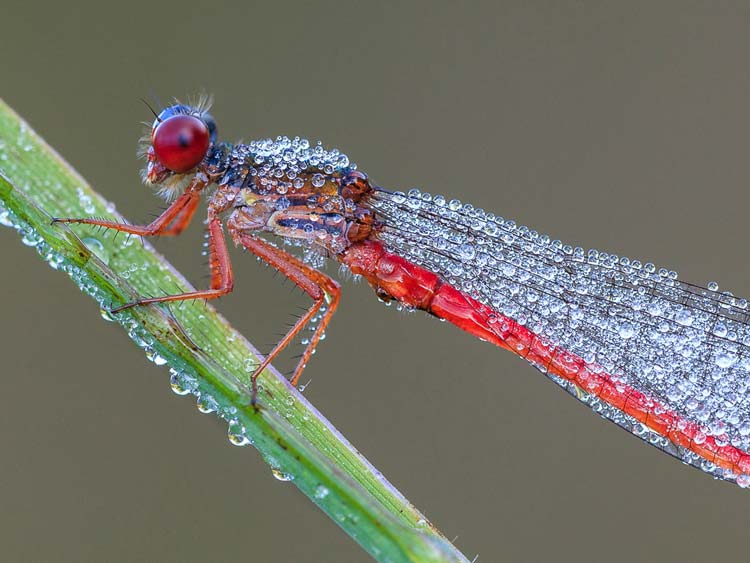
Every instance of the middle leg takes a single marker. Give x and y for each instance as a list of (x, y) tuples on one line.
[(222, 277), (317, 285)]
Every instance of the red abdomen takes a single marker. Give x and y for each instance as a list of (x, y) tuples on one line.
[(393, 276)]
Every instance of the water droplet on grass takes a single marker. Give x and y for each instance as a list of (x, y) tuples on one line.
[(207, 404), (238, 439), (176, 383), (96, 246), (107, 315), (281, 475)]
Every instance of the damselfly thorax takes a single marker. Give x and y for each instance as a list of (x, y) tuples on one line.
[(326, 209)]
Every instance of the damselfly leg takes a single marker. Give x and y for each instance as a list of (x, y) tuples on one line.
[(321, 289)]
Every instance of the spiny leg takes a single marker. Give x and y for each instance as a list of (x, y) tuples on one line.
[(317, 285), (181, 210), (222, 277)]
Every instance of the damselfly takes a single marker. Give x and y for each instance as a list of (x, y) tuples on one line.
[(667, 360)]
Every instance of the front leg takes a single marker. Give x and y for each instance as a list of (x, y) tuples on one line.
[(181, 209), (183, 219)]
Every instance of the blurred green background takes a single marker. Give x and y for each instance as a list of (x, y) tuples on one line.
[(618, 125)]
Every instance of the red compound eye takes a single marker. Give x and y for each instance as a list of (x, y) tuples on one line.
[(180, 142)]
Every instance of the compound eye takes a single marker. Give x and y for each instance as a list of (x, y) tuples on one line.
[(180, 142)]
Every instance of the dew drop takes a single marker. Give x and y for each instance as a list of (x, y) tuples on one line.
[(176, 384), (236, 433), (626, 330), (281, 475), (107, 315), (674, 393), (5, 219), (467, 252), (30, 238), (207, 404), (684, 317), (283, 203), (655, 308), (154, 357), (96, 247), (725, 359), (238, 439), (720, 330)]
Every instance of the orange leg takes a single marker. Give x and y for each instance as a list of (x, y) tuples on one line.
[(180, 212), (317, 285), (183, 218), (222, 278)]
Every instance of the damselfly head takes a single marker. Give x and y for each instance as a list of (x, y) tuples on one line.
[(177, 144)]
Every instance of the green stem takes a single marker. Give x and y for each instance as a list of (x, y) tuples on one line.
[(212, 362)]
